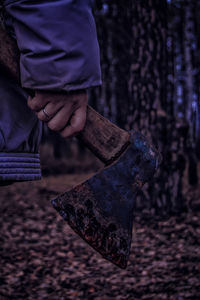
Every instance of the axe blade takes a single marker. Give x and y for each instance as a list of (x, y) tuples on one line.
[(100, 210), (80, 208)]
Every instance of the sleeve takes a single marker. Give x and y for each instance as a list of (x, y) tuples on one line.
[(57, 42)]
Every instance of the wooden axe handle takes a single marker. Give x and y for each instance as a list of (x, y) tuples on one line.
[(103, 138)]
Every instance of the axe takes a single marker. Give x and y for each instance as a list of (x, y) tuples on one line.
[(100, 210)]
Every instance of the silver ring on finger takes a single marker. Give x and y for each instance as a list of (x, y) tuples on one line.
[(46, 113)]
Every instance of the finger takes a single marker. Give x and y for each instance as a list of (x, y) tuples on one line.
[(77, 123), (61, 118), (38, 102), (51, 109)]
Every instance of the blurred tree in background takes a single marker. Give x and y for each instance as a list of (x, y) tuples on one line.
[(150, 58), (150, 63)]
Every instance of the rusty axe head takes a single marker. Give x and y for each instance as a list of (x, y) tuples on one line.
[(100, 210)]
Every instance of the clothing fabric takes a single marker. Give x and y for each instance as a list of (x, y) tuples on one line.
[(58, 43), (58, 52), (20, 134)]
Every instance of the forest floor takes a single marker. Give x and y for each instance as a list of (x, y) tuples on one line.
[(41, 258)]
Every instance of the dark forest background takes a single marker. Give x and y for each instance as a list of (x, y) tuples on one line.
[(150, 58)]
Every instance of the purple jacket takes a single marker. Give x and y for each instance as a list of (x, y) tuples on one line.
[(58, 51), (58, 43)]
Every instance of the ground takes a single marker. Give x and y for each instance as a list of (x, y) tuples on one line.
[(42, 258)]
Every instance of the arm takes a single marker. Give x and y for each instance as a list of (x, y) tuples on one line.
[(58, 48)]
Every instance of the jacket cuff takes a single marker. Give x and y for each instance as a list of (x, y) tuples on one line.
[(20, 166)]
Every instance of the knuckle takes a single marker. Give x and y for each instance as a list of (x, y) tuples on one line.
[(53, 126), (40, 117), (65, 134)]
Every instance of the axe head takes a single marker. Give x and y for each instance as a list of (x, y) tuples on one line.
[(100, 210)]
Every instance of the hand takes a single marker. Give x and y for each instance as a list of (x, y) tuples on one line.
[(63, 112)]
